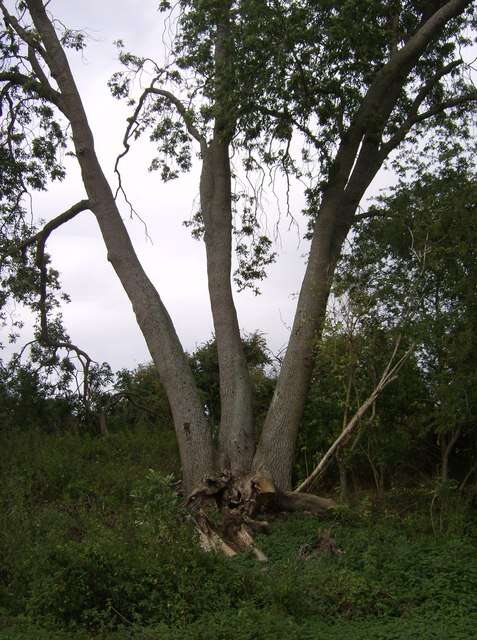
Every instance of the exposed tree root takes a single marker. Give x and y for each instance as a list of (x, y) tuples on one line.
[(225, 511)]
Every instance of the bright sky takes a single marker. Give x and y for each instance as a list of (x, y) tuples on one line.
[(100, 317)]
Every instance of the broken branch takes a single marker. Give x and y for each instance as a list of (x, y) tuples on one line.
[(389, 375)]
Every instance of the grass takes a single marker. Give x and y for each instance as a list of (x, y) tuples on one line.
[(93, 545)]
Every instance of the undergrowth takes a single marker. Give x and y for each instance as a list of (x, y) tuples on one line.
[(93, 545)]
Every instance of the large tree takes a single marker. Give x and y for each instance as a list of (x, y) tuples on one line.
[(348, 81)]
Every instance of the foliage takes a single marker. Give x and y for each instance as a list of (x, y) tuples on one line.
[(205, 366), (100, 548), (413, 268), (138, 397)]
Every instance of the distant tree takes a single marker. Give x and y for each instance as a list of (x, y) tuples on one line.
[(28, 401), (414, 262), (205, 366), (353, 354), (352, 80)]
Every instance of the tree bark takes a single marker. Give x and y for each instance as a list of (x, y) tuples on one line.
[(192, 429), (236, 435), (237, 438), (276, 448), (361, 154), (343, 473)]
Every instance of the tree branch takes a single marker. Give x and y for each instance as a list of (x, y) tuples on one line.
[(389, 375), (184, 113), (28, 38), (40, 74), (133, 124), (66, 216), (29, 84), (40, 239), (414, 117), (387, 82), (283, 115)]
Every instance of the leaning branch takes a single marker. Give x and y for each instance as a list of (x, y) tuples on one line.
[(387, 79), (27, 36), (414, 117), (389, 375), (40, 239), (29, 84), (66, 216), (184, 113)]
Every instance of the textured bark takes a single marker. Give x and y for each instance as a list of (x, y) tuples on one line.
[(361, 153), (192, 430), (276, 448), (237, 438)]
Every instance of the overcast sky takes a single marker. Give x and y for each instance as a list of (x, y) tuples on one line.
[(99, 317)]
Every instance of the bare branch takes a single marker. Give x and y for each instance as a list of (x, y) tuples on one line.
[(66, 216), (389, 375), (40, 74)]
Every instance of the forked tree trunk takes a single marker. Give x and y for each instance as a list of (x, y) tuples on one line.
[(360, 156)]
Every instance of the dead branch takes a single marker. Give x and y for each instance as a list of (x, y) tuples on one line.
[(389, 375)]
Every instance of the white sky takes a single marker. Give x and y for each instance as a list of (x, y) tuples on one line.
[(100, 317)]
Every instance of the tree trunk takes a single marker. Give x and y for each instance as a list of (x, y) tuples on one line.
[(192, 429), (236, 434), (103, 424), (360, 156), (447, 446), (361, 153), (276, 448), (344, 484), (237, 438)]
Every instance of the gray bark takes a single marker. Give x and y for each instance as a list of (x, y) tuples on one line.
[(361, 154), (237, 437), (192, 430), (276, 448)]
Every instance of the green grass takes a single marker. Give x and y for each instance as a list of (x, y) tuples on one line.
[(93, 545)]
